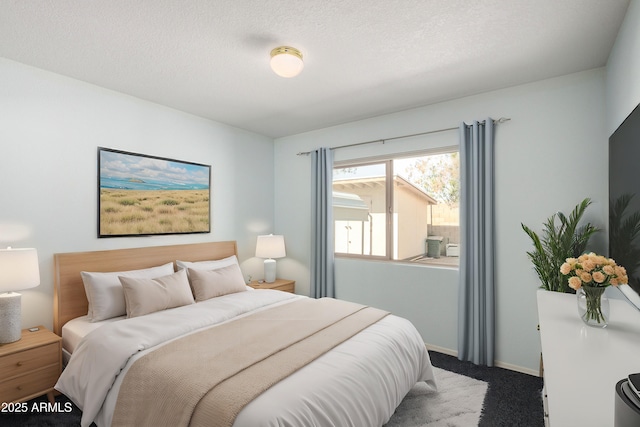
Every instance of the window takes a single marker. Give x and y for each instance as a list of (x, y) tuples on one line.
[(402, 208)]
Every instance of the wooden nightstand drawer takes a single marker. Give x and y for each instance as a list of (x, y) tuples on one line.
[(279, 285), (287, 287), (30, 366), (29, 385), (26, 361)]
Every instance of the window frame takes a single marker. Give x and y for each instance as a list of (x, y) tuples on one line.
[(388, 161)]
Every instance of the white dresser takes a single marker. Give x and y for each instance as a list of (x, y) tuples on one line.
[(582, 364)]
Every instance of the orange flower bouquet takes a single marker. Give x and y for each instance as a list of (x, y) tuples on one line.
[(590, 274)]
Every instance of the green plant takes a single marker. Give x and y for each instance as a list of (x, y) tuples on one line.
[(559, 242), (624, 228)]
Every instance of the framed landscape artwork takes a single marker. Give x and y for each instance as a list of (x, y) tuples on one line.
[(142, 195)]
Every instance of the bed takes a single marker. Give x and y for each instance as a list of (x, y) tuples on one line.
[(356, 381)]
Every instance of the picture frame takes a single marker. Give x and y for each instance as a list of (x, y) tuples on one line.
[(145, 195)]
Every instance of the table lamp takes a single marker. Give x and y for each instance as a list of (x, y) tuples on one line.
[(18, 270), (270, 247)]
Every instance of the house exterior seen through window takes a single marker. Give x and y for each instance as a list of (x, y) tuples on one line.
[(402, 209)]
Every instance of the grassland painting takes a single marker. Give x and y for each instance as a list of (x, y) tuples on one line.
[(144, 195)]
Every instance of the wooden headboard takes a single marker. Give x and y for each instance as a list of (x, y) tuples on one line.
[(69, 298)]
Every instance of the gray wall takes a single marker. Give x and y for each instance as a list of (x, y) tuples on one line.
[(623, 68), (50, 128), (548, 158)]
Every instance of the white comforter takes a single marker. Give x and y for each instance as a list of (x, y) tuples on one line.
[(358, 383)]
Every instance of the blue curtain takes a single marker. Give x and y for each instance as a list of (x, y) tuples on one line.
[(322, 270), (476, 297)]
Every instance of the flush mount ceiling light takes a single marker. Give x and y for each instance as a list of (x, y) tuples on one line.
[(286, 61)]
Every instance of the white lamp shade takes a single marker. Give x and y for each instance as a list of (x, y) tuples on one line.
[(286, 61), (18, 269), (270, 247)]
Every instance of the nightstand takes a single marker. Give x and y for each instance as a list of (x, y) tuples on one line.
[(279, 285), (31, 366)]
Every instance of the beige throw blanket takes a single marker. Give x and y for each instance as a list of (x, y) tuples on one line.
[(208, 377)]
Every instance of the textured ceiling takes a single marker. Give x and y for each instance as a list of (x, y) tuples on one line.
[(362, 57)]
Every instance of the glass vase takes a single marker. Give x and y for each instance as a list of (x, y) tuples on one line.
[(593, 306)]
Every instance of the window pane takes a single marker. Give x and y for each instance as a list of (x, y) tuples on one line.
[(425, 212), (405, 206), (359, 209)]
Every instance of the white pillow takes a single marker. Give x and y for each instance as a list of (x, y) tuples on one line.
[(207, 284), (105, 294), (207, 265), (144, 296)]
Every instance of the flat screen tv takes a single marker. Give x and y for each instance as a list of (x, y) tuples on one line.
[(624, 197)]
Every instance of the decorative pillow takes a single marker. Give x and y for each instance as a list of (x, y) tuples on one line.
[(105, 294), (207, 284), (144, 296), (207, 265)]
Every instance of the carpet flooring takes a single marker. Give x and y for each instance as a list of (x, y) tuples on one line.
[(511, 399)]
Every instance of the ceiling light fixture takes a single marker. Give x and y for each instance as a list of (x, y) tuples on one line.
[(286, 61)]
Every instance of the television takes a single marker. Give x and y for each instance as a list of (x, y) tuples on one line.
[(624, 197)]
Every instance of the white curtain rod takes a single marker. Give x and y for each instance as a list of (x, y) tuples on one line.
[(306, 153)]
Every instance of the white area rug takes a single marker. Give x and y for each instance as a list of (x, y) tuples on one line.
[(457, 403)]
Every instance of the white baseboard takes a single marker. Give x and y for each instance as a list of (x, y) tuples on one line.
[(516, 368), (496, 363), (441, 350)]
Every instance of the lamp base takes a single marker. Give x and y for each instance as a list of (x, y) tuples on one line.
[(10, 321), (269, 270)]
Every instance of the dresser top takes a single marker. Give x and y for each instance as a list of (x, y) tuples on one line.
[(582, 364)]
